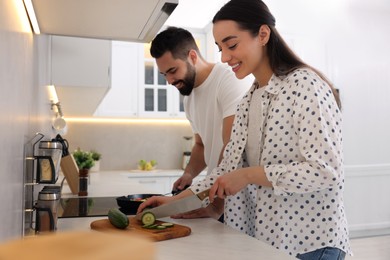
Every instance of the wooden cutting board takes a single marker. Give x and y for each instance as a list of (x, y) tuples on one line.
[(135, 226)]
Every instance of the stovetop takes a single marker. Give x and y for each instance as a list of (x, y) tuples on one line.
[(86, 207)]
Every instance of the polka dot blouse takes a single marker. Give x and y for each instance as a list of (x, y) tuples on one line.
[(301, 151)]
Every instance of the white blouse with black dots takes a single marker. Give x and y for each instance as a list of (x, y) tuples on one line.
[(301, 151)]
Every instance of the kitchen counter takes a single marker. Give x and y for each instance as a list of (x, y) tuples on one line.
[(209, 239), (120, 183)]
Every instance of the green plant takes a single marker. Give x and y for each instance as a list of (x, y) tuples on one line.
[(83, 159), (95, 155)]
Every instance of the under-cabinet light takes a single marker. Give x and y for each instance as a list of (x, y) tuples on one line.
[(127, 120), (31, 16)]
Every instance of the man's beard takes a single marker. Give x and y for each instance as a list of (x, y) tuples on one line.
[(188, 82)]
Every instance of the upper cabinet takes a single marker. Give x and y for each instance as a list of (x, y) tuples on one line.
[(124, 20), (138, 88), (156, 97), (121, 100), (105, 78), (80, 72), (80, 62)]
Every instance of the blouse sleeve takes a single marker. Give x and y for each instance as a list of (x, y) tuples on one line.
[(317, 122)]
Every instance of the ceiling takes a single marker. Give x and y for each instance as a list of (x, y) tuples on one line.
[(199, 13)]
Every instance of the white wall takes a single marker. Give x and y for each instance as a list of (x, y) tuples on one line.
[(122, 145), (348, 41), (24, 108)]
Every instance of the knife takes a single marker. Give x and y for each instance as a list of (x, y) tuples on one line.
[(179, 206)]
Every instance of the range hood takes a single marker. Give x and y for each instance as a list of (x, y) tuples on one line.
[(122, 20)]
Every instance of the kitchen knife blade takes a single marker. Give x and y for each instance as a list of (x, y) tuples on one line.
[(179, 206)]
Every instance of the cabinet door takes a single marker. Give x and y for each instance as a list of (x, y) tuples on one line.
[(80, 62), (178, 107), (157, 99), (154, 96), (160, 185), (122, 98)]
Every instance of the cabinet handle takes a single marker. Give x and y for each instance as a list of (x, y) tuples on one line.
[(151, 181)]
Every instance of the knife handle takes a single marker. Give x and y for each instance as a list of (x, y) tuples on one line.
[(204, 194)]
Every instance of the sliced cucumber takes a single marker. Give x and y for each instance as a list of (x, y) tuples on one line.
[(150, 226), (148, 218), (161, 227), (167, 224)]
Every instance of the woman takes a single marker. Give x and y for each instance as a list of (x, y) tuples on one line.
[(282, 175)]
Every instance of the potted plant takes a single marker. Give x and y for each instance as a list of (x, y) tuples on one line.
[(83, 159), (96, 156), (84, 162)]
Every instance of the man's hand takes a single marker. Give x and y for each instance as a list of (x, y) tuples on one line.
[(182, 182), (194, 166)]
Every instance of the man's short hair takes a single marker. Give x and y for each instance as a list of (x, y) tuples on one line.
[(176, 40)]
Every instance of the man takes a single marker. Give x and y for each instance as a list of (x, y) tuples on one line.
[(211, 92)]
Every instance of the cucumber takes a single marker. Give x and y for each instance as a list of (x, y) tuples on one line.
[(117, 218), (150, 226), (167, 224), (148, 218), (161, 227), (158, 226)]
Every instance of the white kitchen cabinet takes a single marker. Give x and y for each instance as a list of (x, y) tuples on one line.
[(157, 99), (160, 181), (80, 62), (160, 185), (129, 95), (122, 99), (80, 72), (103, 78), (137, 88), (120, 183)]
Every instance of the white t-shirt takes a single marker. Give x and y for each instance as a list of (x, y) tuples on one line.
[(209, 103)]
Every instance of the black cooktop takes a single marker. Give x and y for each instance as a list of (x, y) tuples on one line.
[(87, 207)]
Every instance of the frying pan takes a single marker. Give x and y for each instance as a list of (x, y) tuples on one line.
[(130, 203)]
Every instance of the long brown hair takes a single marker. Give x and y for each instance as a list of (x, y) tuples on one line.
[(250, 15)]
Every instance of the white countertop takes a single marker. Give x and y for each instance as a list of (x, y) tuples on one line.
[(209, 239)]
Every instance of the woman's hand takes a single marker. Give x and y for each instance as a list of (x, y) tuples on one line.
[(231, 183)]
